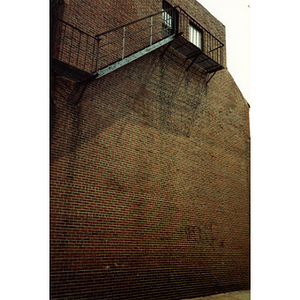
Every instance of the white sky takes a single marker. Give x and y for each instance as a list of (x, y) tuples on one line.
[(235, 15)]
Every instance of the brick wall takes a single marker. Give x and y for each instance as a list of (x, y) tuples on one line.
[(97, 16), (149, 182)]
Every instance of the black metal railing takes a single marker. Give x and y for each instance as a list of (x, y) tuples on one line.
[(211, 46), (75, 47), (91, 53), (119, 43)]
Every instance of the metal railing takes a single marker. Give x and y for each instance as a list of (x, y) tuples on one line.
[(74, 47), (92, 53), (211, 46), (118, 43)]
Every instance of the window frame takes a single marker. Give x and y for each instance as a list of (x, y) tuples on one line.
[(167, 19), (199, 33)]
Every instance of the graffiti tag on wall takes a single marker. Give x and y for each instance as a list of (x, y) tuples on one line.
[(202, 234)]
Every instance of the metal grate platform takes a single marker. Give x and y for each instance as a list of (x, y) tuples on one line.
[(197, 56), (105, 52)]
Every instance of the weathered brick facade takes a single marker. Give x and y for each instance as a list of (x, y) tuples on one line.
[(149, 174)]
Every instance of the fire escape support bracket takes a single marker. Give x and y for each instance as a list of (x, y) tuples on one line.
[(210, 77), (167, 47), (133, 57), (195, 57), (85, 84)]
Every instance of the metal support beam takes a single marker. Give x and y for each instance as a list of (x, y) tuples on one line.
[(214, 69), (199, 62), (123, 48), (151, 29), (97, 54), (166, 49), (196, 56), (211, 77), (85, 84)]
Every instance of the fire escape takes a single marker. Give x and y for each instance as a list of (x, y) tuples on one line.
[(81, 56)]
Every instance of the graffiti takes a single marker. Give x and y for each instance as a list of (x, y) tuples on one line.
[(202, 234)]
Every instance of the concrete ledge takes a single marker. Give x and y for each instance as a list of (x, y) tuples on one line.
[(239, 295)]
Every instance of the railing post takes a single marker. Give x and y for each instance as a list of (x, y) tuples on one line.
[(97, 54), (78, 48), (123, 42), (174, 17), (151, 30), (63, 43), (71, 45)]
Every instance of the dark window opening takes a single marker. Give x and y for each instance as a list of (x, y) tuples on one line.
[(167, 19)]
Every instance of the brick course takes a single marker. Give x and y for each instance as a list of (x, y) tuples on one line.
[(149, 174)]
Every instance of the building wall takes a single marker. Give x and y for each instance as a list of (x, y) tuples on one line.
[(97, 16), (149, 180)]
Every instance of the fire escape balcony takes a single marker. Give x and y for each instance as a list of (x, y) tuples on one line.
[(197, 44), (81, 55)]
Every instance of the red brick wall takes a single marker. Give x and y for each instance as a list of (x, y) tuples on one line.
[(97, 16), (149, 182)]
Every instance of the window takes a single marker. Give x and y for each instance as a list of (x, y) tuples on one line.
[(166, 19), (195, 36)]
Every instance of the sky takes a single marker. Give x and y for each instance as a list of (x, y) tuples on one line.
[(235, 15)]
